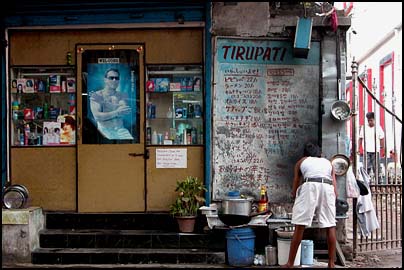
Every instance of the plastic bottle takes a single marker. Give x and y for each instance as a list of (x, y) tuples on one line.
[(154, 137), (45, 111), (169, 113), (26, 134), (148, 135), (184, 136), (194, 136), (263, 201)]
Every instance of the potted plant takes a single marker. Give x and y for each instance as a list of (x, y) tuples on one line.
[(189, 199)]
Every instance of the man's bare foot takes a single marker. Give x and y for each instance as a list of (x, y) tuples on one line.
[(331, 265)]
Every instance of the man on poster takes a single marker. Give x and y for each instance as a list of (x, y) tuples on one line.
[(109, 106)]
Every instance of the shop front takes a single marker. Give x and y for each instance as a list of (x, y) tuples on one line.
[(105, 118)]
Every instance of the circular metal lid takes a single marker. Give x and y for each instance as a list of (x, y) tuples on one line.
[(340, 163), (13, 199), (340, 110)]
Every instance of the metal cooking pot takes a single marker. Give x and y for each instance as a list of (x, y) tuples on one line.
[(239, 206), (236, 211)]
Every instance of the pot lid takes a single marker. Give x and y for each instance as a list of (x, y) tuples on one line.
[(233, 194), (340, 163)]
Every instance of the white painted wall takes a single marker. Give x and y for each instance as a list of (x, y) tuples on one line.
[(371, 23)]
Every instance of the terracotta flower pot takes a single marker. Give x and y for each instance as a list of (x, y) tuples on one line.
[(186, 223)]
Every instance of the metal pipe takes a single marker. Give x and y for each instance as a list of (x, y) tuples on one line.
[(354, 130)]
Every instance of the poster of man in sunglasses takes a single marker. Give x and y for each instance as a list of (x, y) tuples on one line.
[(110, 105)]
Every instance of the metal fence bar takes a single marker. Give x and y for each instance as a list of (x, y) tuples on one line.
[(355, 131)]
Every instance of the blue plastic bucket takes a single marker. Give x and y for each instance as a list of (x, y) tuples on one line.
[(307, 252), (240, 246)]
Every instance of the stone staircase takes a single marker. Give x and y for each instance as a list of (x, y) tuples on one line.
[(126, 238)]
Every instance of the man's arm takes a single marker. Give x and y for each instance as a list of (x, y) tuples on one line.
[(98, 114), (334, 182), (95, 107), (381, 136), (296, 178)]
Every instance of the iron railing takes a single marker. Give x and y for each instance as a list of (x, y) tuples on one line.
[(385, 183)]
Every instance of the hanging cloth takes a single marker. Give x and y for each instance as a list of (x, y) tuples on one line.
[(334, 20)]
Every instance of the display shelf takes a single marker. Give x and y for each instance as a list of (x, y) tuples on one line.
[(174, 105), (43, 105)]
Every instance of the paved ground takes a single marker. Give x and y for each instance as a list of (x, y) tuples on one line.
[(379, 259)]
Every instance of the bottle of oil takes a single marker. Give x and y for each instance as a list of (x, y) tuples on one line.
[(263, 201)]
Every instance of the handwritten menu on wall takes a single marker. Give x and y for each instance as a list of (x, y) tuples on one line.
[(265, 107)]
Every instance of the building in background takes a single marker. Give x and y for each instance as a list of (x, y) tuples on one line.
[(375, 42)]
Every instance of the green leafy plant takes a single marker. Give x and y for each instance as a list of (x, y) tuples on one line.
[(189, 199)]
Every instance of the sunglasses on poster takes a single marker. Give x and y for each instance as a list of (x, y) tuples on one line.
[(113, 78)]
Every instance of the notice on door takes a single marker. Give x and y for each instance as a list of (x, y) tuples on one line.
[(171, 158)]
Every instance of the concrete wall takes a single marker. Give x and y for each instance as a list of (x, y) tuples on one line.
[(20, 233), (266, 19)]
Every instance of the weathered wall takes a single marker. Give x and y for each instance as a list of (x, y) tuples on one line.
[(20, 233), (270, 21)]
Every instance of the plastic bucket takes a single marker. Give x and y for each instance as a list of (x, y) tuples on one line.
[(307, 252), (240, 246), (283, 252)]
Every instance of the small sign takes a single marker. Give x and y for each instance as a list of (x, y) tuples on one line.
[(171, 158), (108, 60)]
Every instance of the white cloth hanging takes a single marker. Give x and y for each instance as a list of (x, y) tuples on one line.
[(367, 218)]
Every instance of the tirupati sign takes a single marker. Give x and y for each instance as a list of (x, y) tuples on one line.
[(265, 106)]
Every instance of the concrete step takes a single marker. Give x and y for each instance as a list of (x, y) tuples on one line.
[(126, 256), (98, 238), (112, 221)]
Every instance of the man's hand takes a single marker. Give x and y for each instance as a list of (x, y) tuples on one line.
[(123, 110)]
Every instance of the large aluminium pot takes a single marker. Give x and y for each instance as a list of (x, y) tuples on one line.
[(237, 211), (237, 206)]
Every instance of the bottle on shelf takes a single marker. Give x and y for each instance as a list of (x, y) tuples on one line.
[(169, 113), (45, 111), (184, 136), (194, 136), (263, 201), (148, 135), (26, 134), (154, 137)]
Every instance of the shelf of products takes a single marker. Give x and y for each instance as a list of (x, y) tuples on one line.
[(43, 101), (174, 105)]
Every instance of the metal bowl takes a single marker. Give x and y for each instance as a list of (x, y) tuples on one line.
[(340, 110), (285, 232), (15, 197), (340, 163)]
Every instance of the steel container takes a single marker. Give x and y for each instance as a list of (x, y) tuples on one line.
[(239, 206)]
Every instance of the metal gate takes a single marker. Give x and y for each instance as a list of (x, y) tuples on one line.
[(383, 166)]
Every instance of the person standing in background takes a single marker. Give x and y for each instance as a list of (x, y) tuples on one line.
[(373, 140)]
